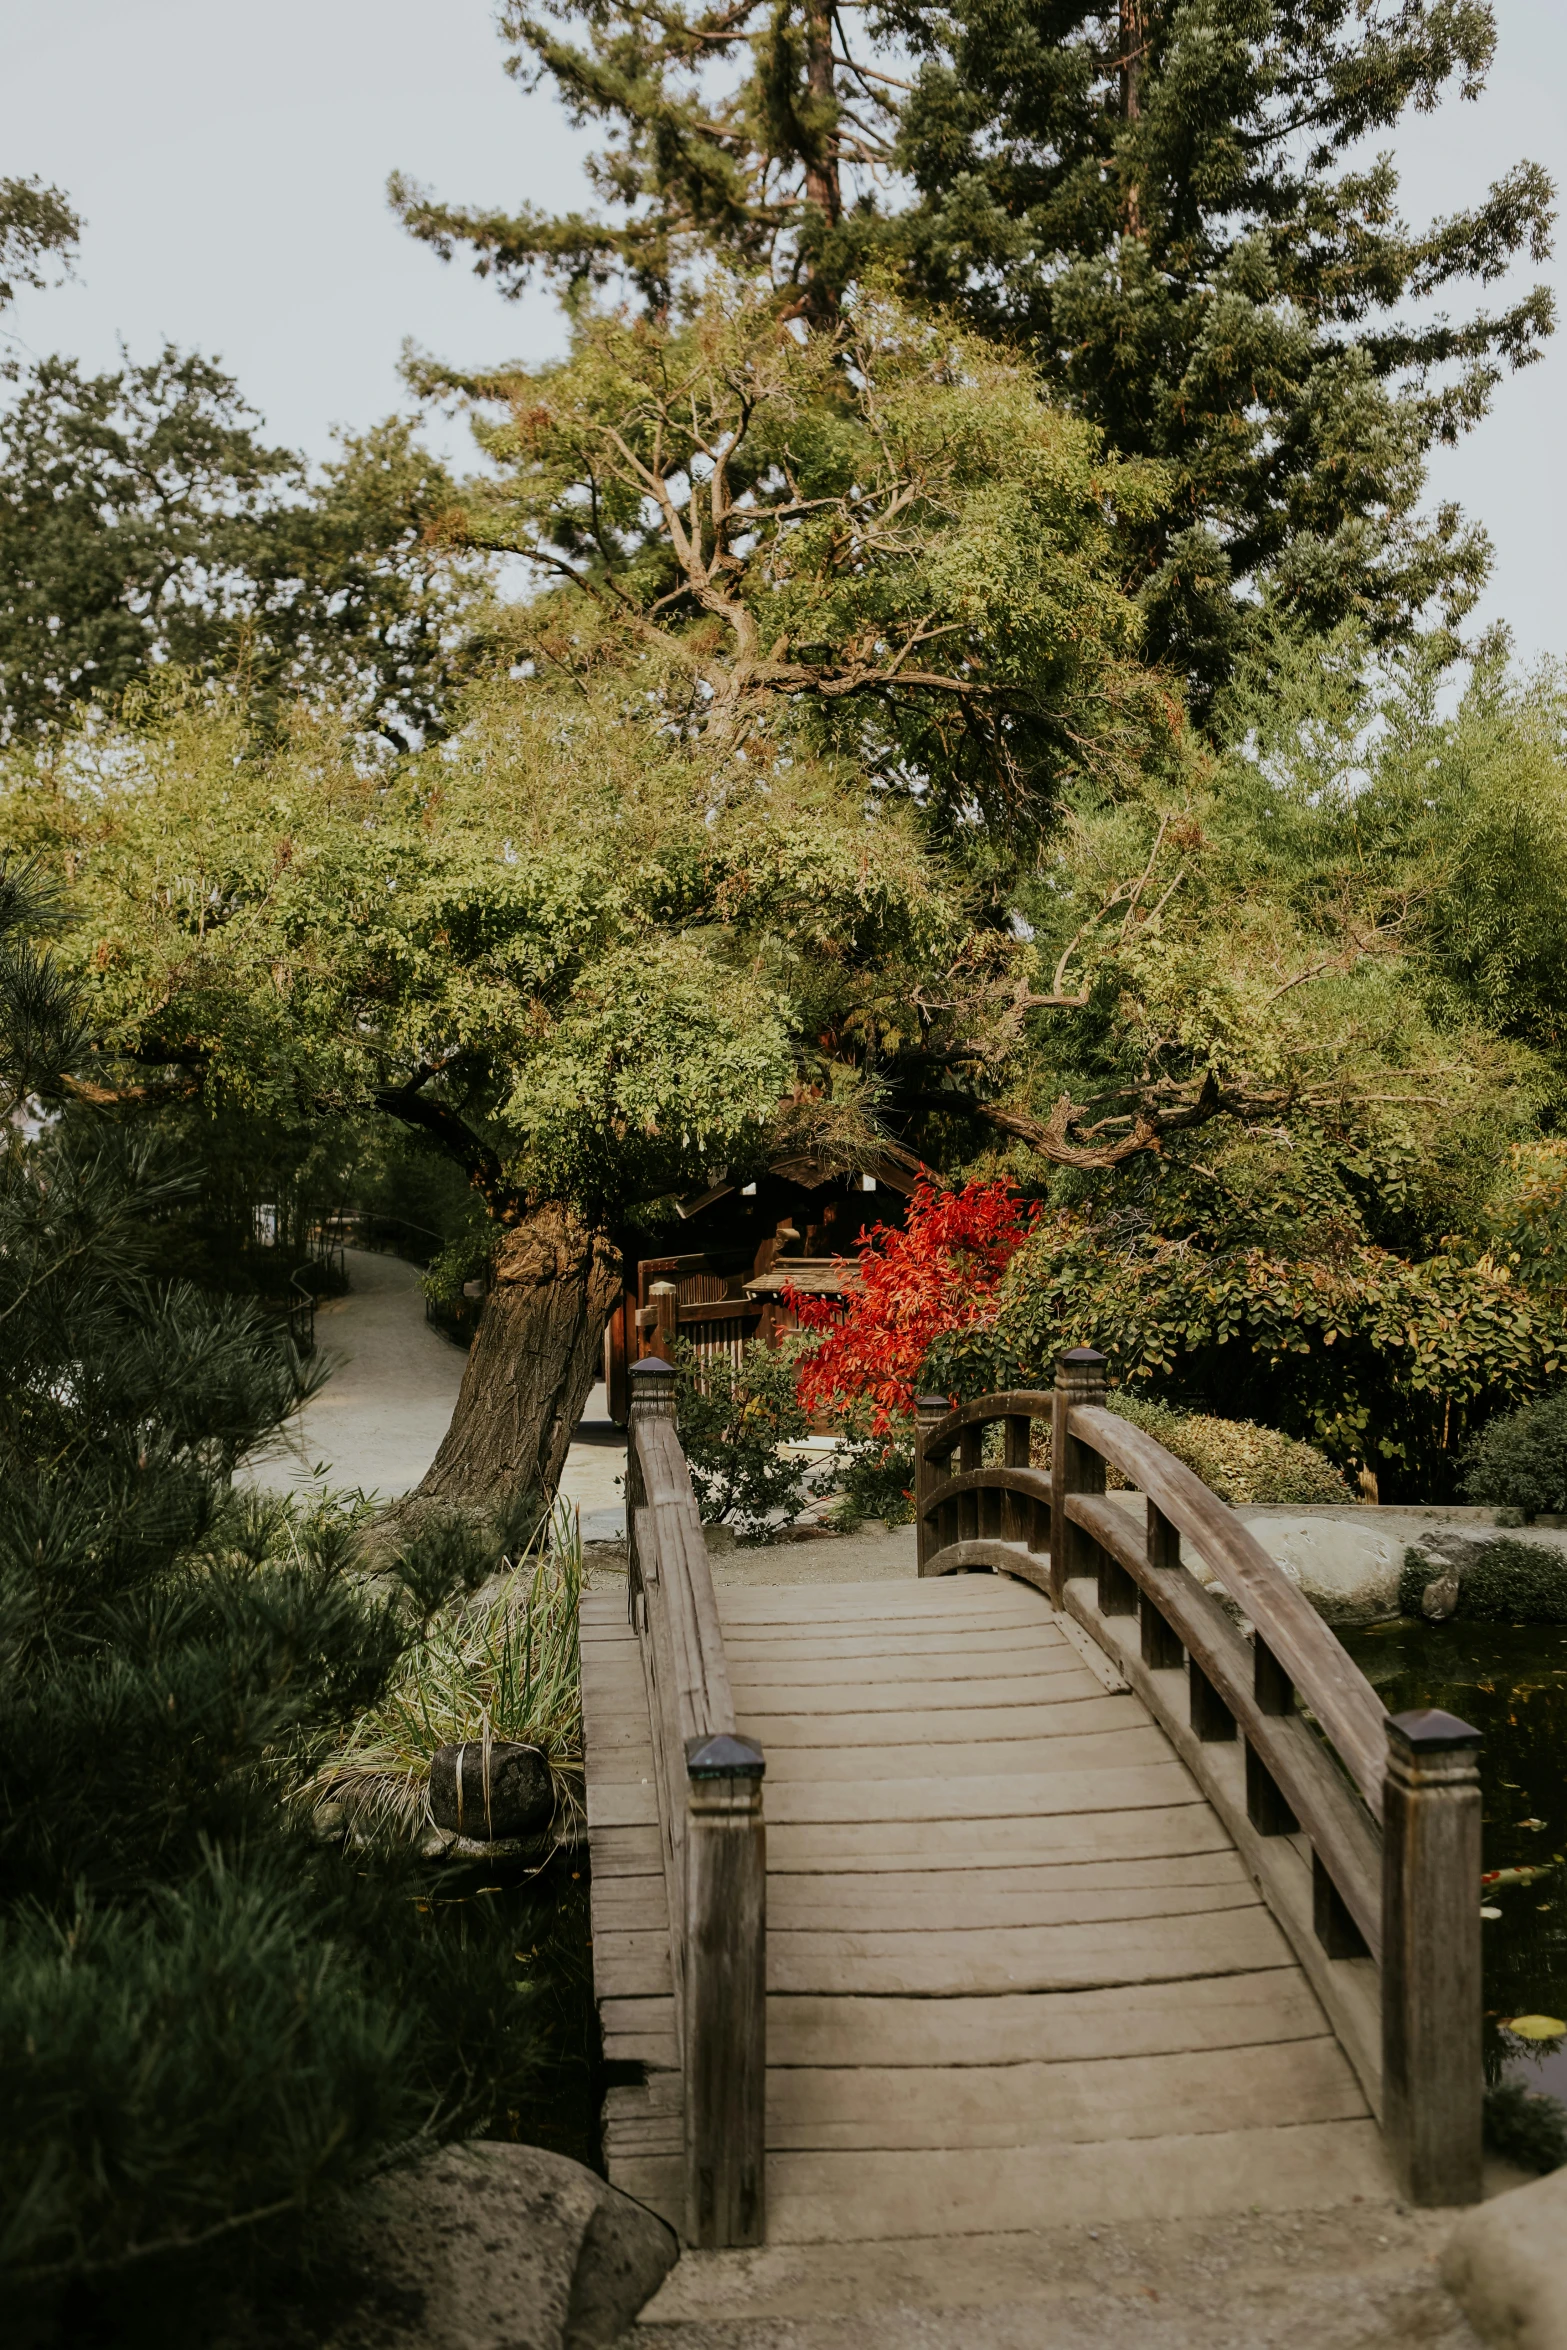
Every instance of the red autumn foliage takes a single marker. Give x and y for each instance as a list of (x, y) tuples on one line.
[(942, 1272)]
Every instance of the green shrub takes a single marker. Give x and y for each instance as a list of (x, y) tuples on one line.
[(1238, 1460), (1503, 1583), (1520, 1460), (1526, 2126), (732, 1420), (467, 1258), (875, 1480)]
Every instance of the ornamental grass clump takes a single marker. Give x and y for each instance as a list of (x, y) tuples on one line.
[(492, 1665)]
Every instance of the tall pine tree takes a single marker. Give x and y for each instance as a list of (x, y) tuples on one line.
[(1171, 203)]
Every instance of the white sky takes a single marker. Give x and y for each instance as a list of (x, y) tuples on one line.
[(231, 162)]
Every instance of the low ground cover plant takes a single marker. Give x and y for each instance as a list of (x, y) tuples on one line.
[(734, 1417)]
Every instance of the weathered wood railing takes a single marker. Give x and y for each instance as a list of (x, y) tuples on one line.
[(710, 1822), (1370, 1862)]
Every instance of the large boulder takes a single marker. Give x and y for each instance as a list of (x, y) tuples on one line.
[(494, 2247), (1506, 2265)]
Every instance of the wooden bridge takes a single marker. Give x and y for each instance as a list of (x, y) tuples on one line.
[(1077, 1898)]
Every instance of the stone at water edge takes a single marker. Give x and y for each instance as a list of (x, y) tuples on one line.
[(1505, 2267), (495, 2247), (484, 1794)]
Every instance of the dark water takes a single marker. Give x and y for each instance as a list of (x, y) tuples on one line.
[(539, 1919), (1510, 1681)]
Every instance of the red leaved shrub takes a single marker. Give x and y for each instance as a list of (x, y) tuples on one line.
[(940, 1274)]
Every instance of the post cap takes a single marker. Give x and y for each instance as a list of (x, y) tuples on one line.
[(1082, 1356), (724, 1757), (932, 1403), (651, 1367), (1430, 1731)]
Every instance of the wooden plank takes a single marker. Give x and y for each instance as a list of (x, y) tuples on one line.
[(933, 1692), (630, 1803), (950, 1599), (1137, 1746), (1026, 1795), (640, 2029), (860, 2197), (941, 1669), (1211, 2013), (1037, 1840), (916, 1901), (778, 1644), (958, 1963), (632, 1965), (1072, 1716), (1207, 2018), (1046, 2104), (626, 1852), (897, 1901)]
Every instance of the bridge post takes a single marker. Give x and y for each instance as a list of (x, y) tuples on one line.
[(1074, 1467), (725, 1995), (928, 1409), (1431, 1994)]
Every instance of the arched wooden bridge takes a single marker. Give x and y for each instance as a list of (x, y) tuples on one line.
[(1081, 1894)]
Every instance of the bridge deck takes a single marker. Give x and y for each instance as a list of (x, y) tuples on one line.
[(1017, 1974)]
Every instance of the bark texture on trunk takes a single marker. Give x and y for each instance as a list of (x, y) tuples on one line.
[(537, 1352)]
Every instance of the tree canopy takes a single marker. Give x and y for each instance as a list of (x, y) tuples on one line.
[(1167, 203), (877, 542), (144, 523)]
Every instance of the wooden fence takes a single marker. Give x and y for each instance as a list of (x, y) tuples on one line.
[(711, 1833), (1361, 1830)]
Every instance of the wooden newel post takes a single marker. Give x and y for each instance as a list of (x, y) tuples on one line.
[(725, 1995), (928, 1409), (1074, 1467), (1431, 1996)]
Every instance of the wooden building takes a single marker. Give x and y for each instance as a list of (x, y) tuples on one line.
[(748, 1243)]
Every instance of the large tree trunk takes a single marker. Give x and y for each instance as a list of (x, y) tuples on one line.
[(537, 1352)]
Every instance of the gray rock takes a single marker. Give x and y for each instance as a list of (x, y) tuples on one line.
[(1504, 2265), (484, 1793), (494, 2247), (1439, 1599)]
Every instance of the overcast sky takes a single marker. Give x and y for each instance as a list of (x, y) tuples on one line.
[(230, 162)]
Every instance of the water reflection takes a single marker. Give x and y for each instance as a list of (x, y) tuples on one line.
[(1511, 1682)]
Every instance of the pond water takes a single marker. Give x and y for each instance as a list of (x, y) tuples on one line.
[(1510, 1681)]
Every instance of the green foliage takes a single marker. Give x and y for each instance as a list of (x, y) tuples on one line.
[(467, 1258), (35, 222), (1239, 1461), (560, 947), (1172, 208), (1369, 1356), (733, 1418), (1502, 1583), (1520, 1460), (144, 523), (874, 1479), (1526, 2126), (898, 547), (206, 2012)]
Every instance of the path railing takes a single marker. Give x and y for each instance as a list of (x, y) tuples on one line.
[(1361, 1830), (711, 1833)]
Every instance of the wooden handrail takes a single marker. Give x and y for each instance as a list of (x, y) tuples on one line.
[(711, 1833), (1372, 1873)]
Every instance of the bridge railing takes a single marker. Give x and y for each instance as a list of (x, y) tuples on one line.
[(1361, 1830), (711, 1832)]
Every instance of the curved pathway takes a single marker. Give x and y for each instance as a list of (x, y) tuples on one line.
[(377, 1424)]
